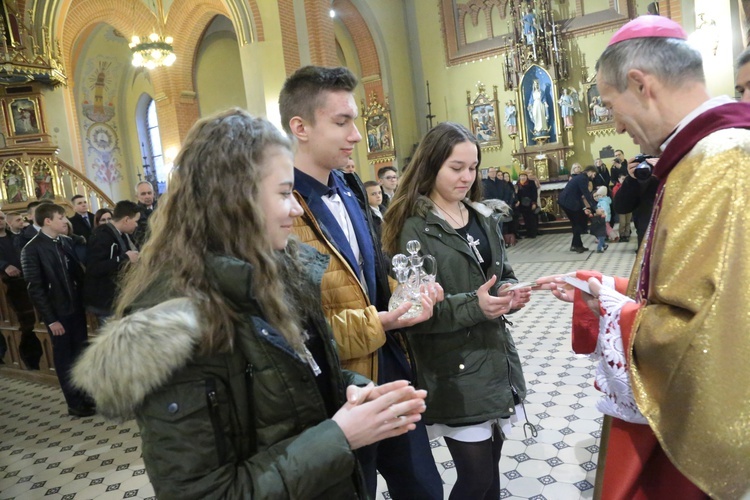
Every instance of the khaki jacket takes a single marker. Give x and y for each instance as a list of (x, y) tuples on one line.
[(355, 323)]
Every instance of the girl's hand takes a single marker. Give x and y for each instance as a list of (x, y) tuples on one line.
[(386, 411), (493, 307)]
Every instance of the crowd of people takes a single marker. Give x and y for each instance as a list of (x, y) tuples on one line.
[(63, 268), (254, 343)]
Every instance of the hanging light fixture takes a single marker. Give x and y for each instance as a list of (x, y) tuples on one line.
[(157, 49)]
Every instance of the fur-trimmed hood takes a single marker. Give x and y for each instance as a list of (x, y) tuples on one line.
[(133, 356), (487, 208)]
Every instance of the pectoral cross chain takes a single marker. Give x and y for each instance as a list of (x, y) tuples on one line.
[(473, 244)]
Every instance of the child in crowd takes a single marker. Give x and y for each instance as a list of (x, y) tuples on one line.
[(604, 202), (374, 197), (598, 228), (375, 200), (618, 184)]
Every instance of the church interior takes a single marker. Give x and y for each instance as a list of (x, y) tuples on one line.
[(98, 95)]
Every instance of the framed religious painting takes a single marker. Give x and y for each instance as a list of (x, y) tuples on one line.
[(24, 116), (483, 117), (378, 130), (600, 119), (14, 182), (42, 176)]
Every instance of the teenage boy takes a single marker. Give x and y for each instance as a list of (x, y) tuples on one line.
[(318, 108), (54, 277)]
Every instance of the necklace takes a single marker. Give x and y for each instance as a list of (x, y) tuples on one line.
[(460, 224)]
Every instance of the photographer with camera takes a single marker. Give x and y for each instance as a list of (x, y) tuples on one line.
[(637, 193)]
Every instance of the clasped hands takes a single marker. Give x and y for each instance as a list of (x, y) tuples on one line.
[(373, 413)]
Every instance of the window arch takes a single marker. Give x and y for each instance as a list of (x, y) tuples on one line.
[(154, 168)]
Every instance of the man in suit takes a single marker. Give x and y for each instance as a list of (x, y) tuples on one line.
[(144, 191), (108, 254), (491, 185), (28, 233), (82, 220), (54, 278)]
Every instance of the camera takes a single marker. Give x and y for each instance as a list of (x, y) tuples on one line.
[(643, 170)]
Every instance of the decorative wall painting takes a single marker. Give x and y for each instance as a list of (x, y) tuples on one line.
[(483, 117)]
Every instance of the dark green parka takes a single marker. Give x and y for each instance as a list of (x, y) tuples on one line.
[(246, 424), (467, 363)]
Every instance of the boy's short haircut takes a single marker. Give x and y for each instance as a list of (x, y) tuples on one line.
[(304, 91), (73, 199), (47, 211), (370, 184), (125, 208), (385, 170)]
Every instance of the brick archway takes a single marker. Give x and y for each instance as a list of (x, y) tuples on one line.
[(364, 45)]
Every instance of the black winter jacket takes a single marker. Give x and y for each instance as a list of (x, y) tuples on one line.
[(27, 234), (491, 189), (106, 259), (141, 232), (9, 254), (45, 272)]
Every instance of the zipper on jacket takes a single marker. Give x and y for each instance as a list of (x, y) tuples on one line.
[(251, 432), (213, 411), (65, 271)]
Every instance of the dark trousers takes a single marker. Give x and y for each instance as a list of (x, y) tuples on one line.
[(30, 349), (579, 222), (530, 221), (512, 225), (65, 349), (405, 461)]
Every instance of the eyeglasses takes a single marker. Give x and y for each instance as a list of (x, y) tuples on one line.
[(390, 177)]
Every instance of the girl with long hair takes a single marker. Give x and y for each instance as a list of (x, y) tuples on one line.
[(464, 355), (219, 347)]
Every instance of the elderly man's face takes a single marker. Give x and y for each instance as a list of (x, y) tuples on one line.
[(492, 173), (742, 86), (146, 194), (635, 113)]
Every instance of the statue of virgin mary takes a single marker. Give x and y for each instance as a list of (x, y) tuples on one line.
[(538, 111)]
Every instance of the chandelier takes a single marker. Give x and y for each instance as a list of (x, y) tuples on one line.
[(157, 50)]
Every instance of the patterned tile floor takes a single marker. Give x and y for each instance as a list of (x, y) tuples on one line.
[(44, 453)]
